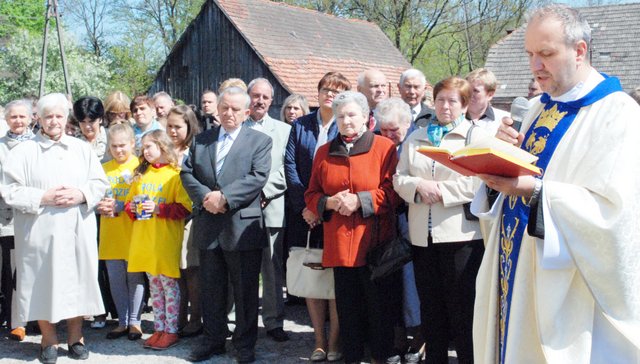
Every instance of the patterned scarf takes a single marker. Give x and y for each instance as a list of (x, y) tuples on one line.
[(435, 131), (20, 137)]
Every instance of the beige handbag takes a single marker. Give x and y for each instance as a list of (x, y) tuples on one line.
[(305, 275)]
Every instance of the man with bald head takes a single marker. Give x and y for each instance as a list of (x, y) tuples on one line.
[(373, 84), (560, 279)]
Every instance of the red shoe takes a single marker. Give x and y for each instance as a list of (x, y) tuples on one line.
[(18, 333), (153, 339), (166, 341)]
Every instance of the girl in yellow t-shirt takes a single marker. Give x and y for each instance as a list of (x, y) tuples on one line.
[(127, 289), (158, 204)]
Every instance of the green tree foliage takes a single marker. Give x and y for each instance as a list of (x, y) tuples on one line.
[(165, 18), (134, 64), (21, 14), (20, 68)]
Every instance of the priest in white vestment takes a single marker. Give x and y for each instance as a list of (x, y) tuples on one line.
[(560, 278), (53, 182)]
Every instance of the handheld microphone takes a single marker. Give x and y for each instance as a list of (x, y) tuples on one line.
[(519, 108)]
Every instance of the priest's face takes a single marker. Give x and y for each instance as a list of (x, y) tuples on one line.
[(554, 63)]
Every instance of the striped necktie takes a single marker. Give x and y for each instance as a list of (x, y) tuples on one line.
[(222, 152)]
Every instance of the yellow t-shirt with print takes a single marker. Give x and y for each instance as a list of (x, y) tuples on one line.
[(156, 243), (115, 232)]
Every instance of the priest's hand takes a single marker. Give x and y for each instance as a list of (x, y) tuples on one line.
[(516, 186), (509, 134), (429, 192)]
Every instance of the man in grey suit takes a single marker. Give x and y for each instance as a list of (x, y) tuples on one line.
[(261, 94), (226, 170)]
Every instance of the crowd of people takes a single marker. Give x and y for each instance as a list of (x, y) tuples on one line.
[(108, 207)]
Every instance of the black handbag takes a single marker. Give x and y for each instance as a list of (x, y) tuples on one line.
[(389, 256)]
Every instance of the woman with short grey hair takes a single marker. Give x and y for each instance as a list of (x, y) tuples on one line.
[(394, 120), (17, 114), (54, 182), (351, 192)]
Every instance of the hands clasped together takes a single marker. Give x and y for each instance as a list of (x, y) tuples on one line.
[(215, 202), (63, 196)]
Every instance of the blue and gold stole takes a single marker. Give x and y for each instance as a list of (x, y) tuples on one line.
[(541, 140)]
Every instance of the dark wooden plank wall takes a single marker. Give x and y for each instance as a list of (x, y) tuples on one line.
[(211, 51)]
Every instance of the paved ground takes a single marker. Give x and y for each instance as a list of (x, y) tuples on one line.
[(121, 351)]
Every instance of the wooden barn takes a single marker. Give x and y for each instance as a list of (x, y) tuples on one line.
[(615, 50), (290, 46)]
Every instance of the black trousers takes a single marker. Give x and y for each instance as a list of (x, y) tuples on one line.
[(446, 280), (7, 283), (367, 312), (240, 269)]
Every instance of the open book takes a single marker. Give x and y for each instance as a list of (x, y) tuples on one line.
[(487, 155)]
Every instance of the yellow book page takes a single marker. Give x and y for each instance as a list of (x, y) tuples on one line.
[(432, 149)]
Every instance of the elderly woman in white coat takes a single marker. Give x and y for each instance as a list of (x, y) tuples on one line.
[(53, 182), (18, 117), (447, 245)]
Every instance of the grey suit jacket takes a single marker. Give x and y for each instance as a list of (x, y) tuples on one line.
[(276, 185), (244, 174)]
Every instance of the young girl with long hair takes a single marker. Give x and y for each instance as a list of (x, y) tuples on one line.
[(182, 126), (127, 289), (159, 204)]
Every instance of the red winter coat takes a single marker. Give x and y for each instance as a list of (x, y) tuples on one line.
[(367, 170)]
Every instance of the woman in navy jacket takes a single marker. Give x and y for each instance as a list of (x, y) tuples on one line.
[(308, 133)]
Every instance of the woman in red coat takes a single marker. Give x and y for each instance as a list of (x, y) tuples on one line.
[(351, 190)]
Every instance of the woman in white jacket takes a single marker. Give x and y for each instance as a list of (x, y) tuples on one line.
[(447, 245)]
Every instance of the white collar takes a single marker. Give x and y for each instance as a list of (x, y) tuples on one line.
[(582, 88), (232, 134)]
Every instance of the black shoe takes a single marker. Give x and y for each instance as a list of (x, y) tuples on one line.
[(78, 351), (48, 355), (134, 336), (190, 333), (278, 334), (135, 333), (205, 352), (112, 335), (246, 356)]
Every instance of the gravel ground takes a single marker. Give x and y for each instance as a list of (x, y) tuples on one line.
[(121, 351), (296, 350)]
